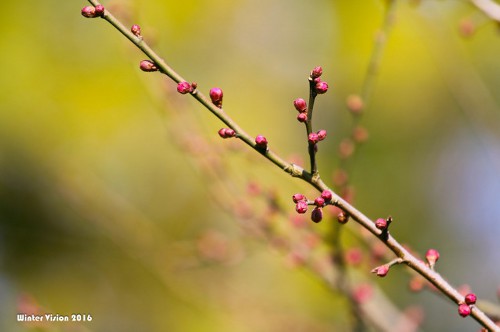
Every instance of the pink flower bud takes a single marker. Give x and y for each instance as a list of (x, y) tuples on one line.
[(464, 310), (148, 66), (319, 202), (432, 257), (89, 12), (300, 105), (227, 132), (216, 96), (136, 30), (317, 214), (381, 270), (313, 138), (184, 87), (99, 10), (327, 195), (298, 197), (381, 223), (316, 72), (261, 142), (302, 117), (321, 134), (470, 298), (301, 207), (321, 87)]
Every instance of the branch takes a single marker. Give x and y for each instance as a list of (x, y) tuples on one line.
[(312, 178), (489, 8)]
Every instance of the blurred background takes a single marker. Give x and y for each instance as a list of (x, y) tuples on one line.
[(119, 200)]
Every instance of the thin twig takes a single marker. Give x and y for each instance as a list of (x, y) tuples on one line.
[(489, 8)]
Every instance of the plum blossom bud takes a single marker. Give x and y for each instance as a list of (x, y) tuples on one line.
[(148, 66), (136, 30), (261, 142), (99, 10), (319, 202), (381, 270), (302, 117), (470, 298), (300, 105), (381, 223), (326, 195), (316, 72), (89, 12), (464, 310), (301, 207), (184, 87), (317, 214), (216, 96), (432, 256), (313, 138), (321, 134), (227, 133), (298, 197), (321, 87)]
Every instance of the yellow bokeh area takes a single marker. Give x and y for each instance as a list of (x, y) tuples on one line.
[(119, 201)]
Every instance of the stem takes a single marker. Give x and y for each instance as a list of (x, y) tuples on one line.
[(311, 148), (311, 178)]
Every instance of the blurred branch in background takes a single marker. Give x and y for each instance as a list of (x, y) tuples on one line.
[(489, 7)]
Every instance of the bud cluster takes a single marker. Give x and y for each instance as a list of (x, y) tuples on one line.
[(301, 204), (93, 12), (227, 133), (316, 137), (301, 106), (320, 86)]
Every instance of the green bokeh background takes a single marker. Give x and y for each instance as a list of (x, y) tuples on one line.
[(102, 198)]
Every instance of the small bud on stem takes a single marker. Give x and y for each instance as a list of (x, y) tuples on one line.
[(301, 207), (184, 87), (148, 66), (261, 142), (381, 270), (227, 133), (89, 12), (470, 298), (317, 214), (316, 72), (136, 30), (464, 310), (216, 96), (300, 105), (302, 117), (99, 10), (432, 257), (321, 87)]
